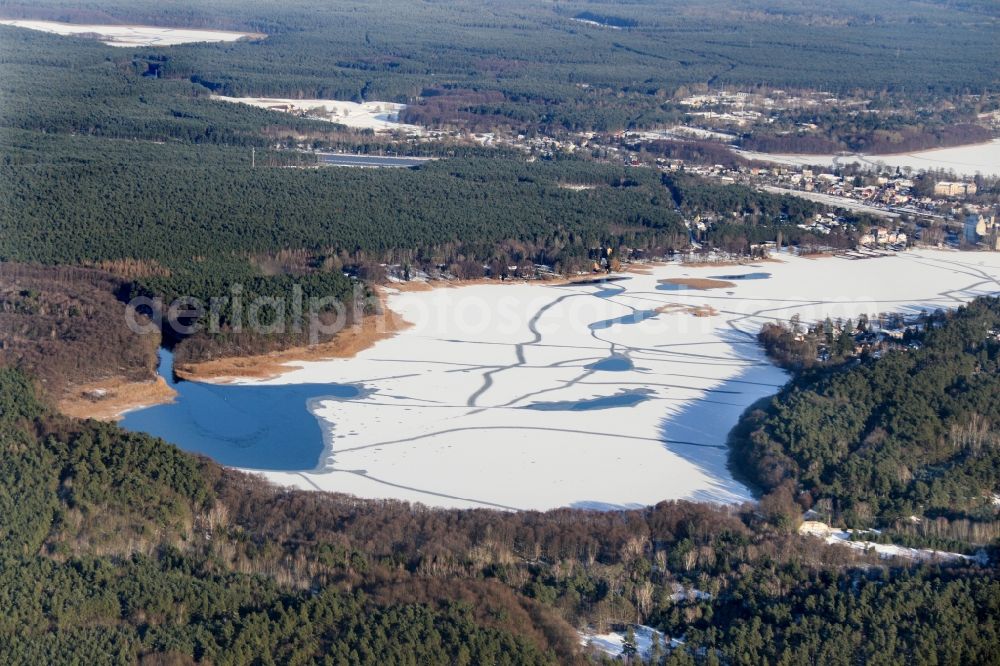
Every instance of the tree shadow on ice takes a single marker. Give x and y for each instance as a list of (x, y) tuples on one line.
[(699, 432), (605, 506)]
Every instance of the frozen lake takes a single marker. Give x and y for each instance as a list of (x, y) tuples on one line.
[(981, 158), (532, 396)]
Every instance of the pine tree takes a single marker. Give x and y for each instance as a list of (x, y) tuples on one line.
[(845, 343)]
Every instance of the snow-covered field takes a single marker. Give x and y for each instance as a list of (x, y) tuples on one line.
[(982, 158), (377, 116), (132, 35), (532, 396)]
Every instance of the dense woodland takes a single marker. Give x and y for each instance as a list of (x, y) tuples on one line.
[(67, 327), (152, 209), (531, 65), (874, 441), (151, 180), (117, 547), (696, 152)]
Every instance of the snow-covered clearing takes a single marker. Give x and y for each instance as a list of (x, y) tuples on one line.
[(613, 642), (532, 396), (833, 535), (684, 132), (377, 116), (982, 158), (133, 35), (596, 24)]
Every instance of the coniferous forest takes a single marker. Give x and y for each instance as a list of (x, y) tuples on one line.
[(874, 441), (118, 547)]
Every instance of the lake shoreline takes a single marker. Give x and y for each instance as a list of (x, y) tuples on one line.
[(965, 160), (373, 328), (345, 344), (598, 396), (348, 343), (111, 399)]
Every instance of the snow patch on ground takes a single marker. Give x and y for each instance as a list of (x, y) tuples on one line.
[(377, 116), (132, 35), (601, 396), (595, 23), (682, 593), (613, 643), (833, 535)]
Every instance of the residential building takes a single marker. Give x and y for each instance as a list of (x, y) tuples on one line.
[(981, 227), (947, 188)]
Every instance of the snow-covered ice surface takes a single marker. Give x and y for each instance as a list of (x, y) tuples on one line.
[(982, 158), (131, 35), (376, 116), (609, 395)]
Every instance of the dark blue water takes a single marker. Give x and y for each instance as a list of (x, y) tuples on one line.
[(743, 276), (625, 398), (257, 427)]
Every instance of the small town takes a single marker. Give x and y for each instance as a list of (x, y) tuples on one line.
[(930, 206)]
